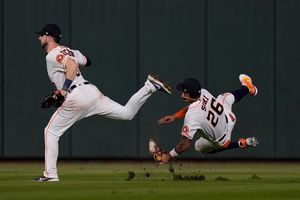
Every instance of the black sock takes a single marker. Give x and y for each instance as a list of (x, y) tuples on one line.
[(240, 93), (232, 145)]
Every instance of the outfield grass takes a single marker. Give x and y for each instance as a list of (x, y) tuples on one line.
[(105, 180)]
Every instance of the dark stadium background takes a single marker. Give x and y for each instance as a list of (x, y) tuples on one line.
[(211, 40)]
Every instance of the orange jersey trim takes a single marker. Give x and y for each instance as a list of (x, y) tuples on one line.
[(226, 144), (181, 113)]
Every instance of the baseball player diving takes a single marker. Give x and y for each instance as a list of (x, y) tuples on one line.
[(76, 97), (208, 117)]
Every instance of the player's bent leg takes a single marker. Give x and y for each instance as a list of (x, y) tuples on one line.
[(204, 146), (248, 142), (136, 101), (226, 99), (242, 143), (107, 107), (247, 81), (240, 93), (159, 84)]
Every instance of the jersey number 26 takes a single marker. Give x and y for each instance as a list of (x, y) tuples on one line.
[(216, 109)]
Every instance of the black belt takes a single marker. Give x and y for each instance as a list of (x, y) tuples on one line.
[(75, 86)]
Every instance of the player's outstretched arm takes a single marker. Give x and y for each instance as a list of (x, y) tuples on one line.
[(181, 147), (166, 119), (161, 156), (170, 118)]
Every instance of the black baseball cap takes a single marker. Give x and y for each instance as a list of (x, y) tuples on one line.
[(190, 86), (52, 30)]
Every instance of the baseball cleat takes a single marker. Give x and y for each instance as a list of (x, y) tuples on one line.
[(248, 142), (246, 81), (45, 179), (159, 84)]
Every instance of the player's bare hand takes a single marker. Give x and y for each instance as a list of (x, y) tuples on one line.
[(167, 119), (60, 93)]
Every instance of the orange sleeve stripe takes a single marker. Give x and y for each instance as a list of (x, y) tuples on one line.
[(226, 144), (181, 113)]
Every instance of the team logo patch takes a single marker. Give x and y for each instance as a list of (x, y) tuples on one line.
[(59, 58), (185, 130)]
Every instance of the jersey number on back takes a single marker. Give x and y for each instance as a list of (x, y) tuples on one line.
[(216, 109), (68, 52)]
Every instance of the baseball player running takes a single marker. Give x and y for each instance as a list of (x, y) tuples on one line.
[(81, 98), (209, 117)]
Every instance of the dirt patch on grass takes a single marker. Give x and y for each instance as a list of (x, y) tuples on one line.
[(131, 176)]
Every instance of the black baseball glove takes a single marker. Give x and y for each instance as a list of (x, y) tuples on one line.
[(56, 99)]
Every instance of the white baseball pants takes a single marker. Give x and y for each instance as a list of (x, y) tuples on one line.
[(85, 101)]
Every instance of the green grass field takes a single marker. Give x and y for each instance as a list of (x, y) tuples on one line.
[(145, 180)]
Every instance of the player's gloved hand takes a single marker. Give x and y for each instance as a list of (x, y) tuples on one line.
[(48, 101), (162, 157), (56, 99), (59, 96), (167, 119), (159, 155)]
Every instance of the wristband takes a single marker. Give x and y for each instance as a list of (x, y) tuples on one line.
[(67, 84), (173, 153)]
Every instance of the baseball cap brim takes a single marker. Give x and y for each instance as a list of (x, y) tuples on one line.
[(41, 32), (179, 86)]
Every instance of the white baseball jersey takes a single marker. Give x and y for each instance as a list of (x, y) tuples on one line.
[(56, 60), (207, 116)]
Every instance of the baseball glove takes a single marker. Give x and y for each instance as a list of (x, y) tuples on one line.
[(56, 99), (155, 151)]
